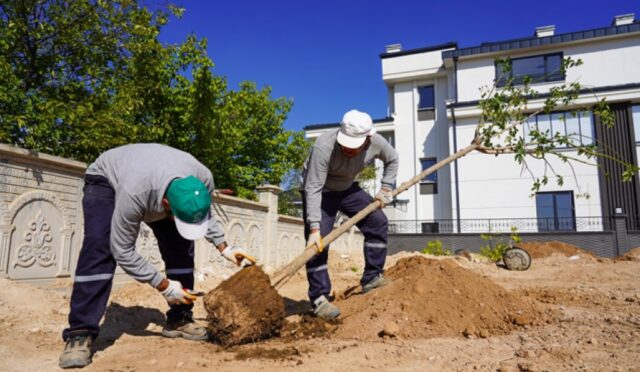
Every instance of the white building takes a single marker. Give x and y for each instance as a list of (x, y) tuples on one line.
[(433, 96)]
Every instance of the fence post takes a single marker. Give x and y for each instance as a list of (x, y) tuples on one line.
[(620, 229), (268, 194)]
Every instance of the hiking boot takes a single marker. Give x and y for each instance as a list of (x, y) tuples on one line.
[(185, 327), (377, 282), (325, 309), (77, 352)]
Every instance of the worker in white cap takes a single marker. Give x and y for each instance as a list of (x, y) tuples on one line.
[(329, 186)]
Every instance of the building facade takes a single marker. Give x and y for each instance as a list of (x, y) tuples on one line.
[(433, 96)]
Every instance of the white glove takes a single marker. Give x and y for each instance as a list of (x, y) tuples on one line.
[(176, 295), (316, 238), (385, 196), (237, 255)]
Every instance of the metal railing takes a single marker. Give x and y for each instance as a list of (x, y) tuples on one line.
[(500, 225), (633, 223)]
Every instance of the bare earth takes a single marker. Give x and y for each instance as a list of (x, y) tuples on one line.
[(569, 311)]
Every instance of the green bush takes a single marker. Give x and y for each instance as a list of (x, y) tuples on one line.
[(495, 251), (435, 248)]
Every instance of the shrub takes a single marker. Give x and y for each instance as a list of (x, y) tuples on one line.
[(495, 252), (435, 248)]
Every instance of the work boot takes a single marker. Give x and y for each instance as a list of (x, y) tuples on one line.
[(325, 309), (377, 282), (184, 326), (77, 352)]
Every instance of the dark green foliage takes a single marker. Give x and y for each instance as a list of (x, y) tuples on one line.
[(83, 76)]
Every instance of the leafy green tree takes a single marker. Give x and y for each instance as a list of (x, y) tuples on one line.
[(506, 111), (290, 200), (82, 76)]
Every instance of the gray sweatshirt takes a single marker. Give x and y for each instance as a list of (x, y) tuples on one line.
[(140, 175), (327, 169)]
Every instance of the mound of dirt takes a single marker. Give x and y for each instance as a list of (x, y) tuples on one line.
[(546, 249), (433, 298), (632, 255)]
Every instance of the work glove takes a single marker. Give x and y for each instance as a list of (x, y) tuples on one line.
[(316, 238), (237, 255), (175, 294), (385, 196)]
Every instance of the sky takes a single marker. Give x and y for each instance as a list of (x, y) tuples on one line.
[(324, 55)]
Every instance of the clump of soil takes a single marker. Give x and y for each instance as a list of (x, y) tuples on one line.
[(434, 298), (244, 308), (287, 353), (546, 249), (632, 255), (309, 327)]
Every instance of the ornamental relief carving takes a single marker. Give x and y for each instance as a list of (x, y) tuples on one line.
[(36, 247), (283, 250), (254, 244)]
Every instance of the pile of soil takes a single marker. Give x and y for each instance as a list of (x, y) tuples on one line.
[(546, 249), (244, 308), (433, 298), (632, 255)]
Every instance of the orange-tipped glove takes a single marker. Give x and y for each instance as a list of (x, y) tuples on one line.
[(174, 294), (237, 255), (316, 238)]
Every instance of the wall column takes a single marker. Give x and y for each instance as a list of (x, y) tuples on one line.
[(620, 229), (268, 194)]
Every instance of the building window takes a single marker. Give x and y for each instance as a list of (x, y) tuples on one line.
[(555, 211), (635, 112), (426, 104), (539, 69), (429, 184), (430, 227), (578, 126)]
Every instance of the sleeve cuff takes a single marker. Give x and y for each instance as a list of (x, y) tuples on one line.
[(314, 225), (156, 280), (215, 240)]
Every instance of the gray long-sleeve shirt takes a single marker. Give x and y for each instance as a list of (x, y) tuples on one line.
[(328, 169), (140, 175)]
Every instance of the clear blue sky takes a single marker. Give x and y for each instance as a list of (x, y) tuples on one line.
[(324, 54)]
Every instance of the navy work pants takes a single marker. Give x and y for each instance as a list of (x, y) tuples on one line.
[(96, 265), (373, 227)]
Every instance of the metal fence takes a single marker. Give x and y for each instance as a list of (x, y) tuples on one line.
[(500, 225), (633, 223)]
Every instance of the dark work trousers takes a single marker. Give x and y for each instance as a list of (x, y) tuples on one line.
[(96, 265), (373, 227)]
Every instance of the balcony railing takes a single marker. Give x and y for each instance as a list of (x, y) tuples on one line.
[(500, 225)]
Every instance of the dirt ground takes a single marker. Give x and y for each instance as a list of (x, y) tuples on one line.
[(569, 311)]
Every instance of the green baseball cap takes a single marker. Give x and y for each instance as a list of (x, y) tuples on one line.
[(190, 201)]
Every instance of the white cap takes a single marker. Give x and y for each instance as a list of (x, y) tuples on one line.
[(354, 129), (192, 231)]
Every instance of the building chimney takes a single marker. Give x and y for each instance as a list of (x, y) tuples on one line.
[(393, 48), (543, 31), (623, 19)]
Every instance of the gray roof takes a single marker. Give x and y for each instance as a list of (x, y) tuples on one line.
[(451, 44), (535, 41)]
